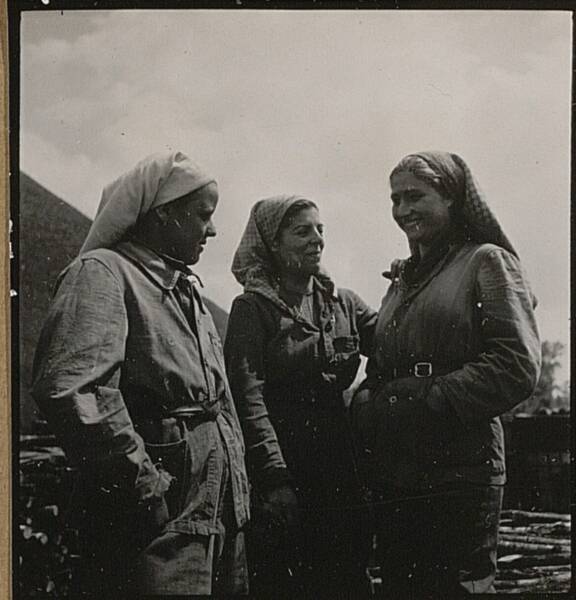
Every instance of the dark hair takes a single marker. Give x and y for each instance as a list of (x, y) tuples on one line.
[(293, 210)]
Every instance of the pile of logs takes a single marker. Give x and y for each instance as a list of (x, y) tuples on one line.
[(46, 550), (534, 553)]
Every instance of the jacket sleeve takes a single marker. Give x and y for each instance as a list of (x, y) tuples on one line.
[(244, 351), (365, 319), (508, 366), (76, 378)]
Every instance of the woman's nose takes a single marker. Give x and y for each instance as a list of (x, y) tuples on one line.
[(210, 229), (403, 208), (317, 237)]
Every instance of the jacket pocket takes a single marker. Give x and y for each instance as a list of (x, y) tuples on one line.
[(346, 345)]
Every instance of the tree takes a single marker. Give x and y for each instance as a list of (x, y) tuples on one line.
[(548, 395)]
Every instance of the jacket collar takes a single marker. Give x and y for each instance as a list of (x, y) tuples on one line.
[(163, 270)]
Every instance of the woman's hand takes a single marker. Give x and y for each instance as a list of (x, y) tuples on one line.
[(394, 417), (283, 504)]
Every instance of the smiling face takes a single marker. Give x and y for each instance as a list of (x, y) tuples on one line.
[(187, 223), (300, 243), (420, 211)]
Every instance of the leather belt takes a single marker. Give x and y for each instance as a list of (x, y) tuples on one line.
[(195, 412), (170, 427), (423, 369)]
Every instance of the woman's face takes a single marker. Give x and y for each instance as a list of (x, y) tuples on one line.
[(188, 223), (420, 211), (299, 245)]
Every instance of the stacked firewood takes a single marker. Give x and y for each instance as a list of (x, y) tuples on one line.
[(534, 553), (46, 550)]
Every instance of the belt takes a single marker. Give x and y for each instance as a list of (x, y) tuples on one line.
[(170, 427), (195, 412), (423, 369)]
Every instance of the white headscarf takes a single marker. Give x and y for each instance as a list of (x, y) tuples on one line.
[(154, 181)]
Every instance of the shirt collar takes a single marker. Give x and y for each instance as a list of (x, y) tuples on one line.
[(164, 270)]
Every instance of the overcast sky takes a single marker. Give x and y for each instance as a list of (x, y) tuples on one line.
[(321, 103)]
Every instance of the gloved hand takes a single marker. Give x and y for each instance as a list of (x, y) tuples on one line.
[(283, 504)]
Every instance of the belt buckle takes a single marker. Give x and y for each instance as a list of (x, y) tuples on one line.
[(423, 369)]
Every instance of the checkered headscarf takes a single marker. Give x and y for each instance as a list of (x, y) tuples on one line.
[(450, 175), (253, 265)]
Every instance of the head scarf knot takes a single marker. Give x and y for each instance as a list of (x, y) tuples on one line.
[(450, 175), (154, 181)]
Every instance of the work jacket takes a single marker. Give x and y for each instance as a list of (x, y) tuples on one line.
[(455, 347), (118, 352), (288, 376)]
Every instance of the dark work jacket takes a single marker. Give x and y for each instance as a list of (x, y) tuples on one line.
[(470, 314), (287, 379)]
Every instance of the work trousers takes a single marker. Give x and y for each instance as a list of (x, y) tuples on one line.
[(128, 550), (438, 543)]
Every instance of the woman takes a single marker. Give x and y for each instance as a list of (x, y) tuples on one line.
[(293, 346), (456, 345), (129, 371)]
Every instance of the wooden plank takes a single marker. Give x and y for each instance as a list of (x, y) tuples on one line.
[(521, 560), (534, 517), (505, 547)]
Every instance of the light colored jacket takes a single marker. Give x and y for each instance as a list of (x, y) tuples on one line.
[(116, 349)]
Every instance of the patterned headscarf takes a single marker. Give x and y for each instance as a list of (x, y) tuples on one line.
[(154, 181), (451, 177), (254, 266)]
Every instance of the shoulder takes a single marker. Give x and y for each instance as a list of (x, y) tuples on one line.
[(482, 256), (349, 297), (354, 305), (250, 304), (247, 299), (106, 258), (99, 263), (484, 251)]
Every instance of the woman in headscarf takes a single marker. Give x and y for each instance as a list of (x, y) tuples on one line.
[(456, 345), (130, 374), (292, 348)]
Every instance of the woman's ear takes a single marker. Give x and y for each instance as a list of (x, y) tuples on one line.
[(162, 214)]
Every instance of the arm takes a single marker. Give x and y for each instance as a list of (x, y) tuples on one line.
[(76, 377), (244, 351), (365, 318), (508, 367)]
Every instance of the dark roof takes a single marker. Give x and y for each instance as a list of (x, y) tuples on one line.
[(50, 235)]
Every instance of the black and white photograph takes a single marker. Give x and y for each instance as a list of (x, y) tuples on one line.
[(290, 301)]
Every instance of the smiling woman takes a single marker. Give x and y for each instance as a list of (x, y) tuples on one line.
[(419, 209), (456, 346), (293, 346)]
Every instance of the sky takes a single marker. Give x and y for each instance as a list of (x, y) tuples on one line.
[(319, 103)]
